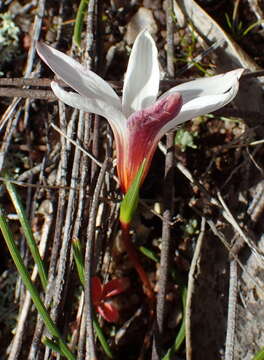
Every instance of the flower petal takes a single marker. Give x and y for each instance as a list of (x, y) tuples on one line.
[(115, 287), (96, 290), (108, 312), (204, 96), (205, 104), (214, 85), (84, 81), (95, 106), (141, 84)]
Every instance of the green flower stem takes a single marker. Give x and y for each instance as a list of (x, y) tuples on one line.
[(127, 210), (8, 236), (77, 32), (27, 232)]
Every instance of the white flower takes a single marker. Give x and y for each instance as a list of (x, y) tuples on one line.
[(139, 120)]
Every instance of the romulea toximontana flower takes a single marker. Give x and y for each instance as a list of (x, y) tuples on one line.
[(140, 118)]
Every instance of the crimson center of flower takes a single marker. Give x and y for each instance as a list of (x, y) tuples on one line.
[(144, 132)]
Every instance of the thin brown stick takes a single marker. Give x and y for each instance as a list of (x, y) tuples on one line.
[(90, 60), (90, 345), (45, 82), (231, 316), (17, 345), (168, 196), (27, 93), (82, 339), (64, 258), (81, 222)]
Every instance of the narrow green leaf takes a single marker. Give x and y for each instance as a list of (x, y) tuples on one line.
[(79, 259), (27, 232), (102, 339), (52, 345), (77, 32), (14, 252), (259, 355), (181, 334), (148, 253), (251, 27), (130, 201)]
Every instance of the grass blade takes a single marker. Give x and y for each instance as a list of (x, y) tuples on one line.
[(102, 339), (259, 355), (27, 232), (79, 259), (77, 32), (14, 252), (52, 345), (181, 334)]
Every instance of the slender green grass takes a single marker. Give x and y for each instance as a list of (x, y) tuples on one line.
[(252, 26), (52, 345), (27, 231), (237, 29), (14, 252), (149, 253), (259, 355), (77, 32), (102, 338), (181, 334), (78, 258)]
